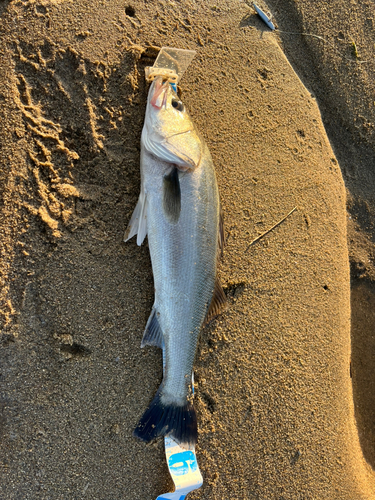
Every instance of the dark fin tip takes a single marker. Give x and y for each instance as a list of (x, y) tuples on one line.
[(178, 422), (172, 196)]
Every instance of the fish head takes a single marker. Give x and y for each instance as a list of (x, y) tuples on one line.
[(168, 131)]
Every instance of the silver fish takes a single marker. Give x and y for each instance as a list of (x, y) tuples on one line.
[(179, 211)]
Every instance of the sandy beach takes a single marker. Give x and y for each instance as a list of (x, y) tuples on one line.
[(285, 381)]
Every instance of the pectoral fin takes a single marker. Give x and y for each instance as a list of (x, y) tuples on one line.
[(172, 196), (218, 302), (138, 223)]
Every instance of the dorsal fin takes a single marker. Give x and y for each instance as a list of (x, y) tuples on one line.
[(218, 302), (221, 234)]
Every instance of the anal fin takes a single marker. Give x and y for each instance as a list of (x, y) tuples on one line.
[(153, 334), (218, 302)]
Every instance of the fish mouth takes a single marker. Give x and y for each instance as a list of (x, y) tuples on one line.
[(159, 96)]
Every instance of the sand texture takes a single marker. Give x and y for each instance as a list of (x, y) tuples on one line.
[(285, 380)]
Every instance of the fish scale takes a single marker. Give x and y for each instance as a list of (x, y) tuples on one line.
[(186, 277)]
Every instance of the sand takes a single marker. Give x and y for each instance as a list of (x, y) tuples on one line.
[(285, 383)]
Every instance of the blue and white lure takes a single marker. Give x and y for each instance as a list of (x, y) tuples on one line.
[(264, 17)]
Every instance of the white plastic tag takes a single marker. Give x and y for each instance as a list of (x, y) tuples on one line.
[(183, 467)]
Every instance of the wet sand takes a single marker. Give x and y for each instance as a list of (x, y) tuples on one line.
[(284, 377)]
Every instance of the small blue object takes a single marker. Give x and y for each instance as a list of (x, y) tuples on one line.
[(174, 86), (183, 463), (182, 497), (264, 17)]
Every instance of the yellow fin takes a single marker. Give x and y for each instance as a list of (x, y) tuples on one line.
[(218, 302)]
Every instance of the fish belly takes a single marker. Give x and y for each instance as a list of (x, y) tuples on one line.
[(184, 258)]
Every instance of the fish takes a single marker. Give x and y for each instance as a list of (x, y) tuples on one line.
[(179, 211)]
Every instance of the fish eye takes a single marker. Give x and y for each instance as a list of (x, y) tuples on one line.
[(177, 104)]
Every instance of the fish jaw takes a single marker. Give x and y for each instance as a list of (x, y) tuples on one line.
[(159, 95)]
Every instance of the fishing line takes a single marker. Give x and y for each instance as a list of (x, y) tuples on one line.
[(356, 61), (268, 21)]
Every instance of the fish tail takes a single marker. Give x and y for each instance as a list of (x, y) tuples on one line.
[(176, 421)]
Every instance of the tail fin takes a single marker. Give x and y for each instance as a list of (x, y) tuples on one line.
[(178, 422)]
